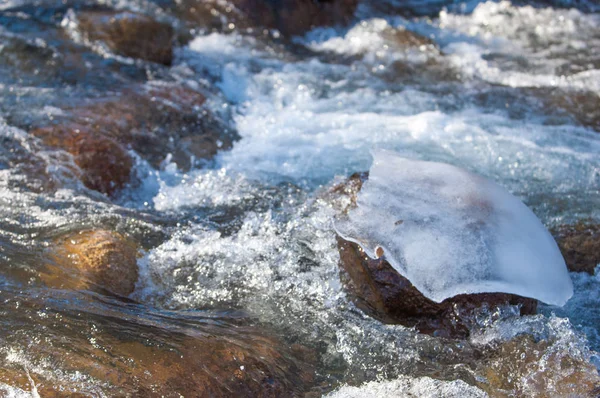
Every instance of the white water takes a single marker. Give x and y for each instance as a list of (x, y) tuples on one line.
[(424, 387)]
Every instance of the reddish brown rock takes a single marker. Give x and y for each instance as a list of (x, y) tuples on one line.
[(154, 120), (105, 165), (380, 291), (93, 258), (290, 17), (208, 361), (129, 34), (523, 367), (580, 245)]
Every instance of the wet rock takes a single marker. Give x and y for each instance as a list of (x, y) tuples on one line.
[(290, 17), (105, 164), (93, 258), (404, 38), (525, 367), (117, 354), (580, 245), (129, 34), (380, 291), (582, 106), (295, 17), (154, 120)]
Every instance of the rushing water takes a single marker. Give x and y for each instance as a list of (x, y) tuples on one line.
[(249, 236)]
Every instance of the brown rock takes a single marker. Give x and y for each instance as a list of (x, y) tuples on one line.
[(290, 17), (380, 291), (582, 106), (580, 245), (524, 367), (153, 120), (93, 258), (105, 164), (129, 34), (125, 358), (299, 16)]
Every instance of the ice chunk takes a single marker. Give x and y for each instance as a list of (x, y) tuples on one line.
[(450, 231)]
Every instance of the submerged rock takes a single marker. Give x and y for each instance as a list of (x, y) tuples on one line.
[(122, 354), (92, 258), (580, 246), (154, 120), (290, 17), (381, 292), (529, 368), (127, 33), (105, 164)]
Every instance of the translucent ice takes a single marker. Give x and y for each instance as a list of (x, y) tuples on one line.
[(450, 231)]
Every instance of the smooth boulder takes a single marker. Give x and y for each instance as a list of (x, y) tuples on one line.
[(128, 34), (93, 258), (580, 245)]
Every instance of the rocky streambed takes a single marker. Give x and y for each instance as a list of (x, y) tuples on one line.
[(171, 171)]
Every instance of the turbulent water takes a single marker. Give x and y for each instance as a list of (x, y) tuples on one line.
[(250, 233)]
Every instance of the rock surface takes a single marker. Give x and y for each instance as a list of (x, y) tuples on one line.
[(379, 290), (580, 245), (154, 120), (129, 34), (290, 17), (91, 258), (529, 368), (207, 360), (105, 164)]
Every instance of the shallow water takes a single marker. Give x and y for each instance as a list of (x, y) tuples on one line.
[(504, 90)]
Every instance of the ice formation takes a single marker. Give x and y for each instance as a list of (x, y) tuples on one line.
[(453, 232)]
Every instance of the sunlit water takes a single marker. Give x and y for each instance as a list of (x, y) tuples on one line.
[(252, 231)]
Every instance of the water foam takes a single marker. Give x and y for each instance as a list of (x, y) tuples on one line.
[(406, 386)]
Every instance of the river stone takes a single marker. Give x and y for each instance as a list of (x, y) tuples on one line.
[(381, 292), (580, 245), (208, 360), (129, 34), (154, 120), (524, 367), (105, 164), (93, 258), (290, 17)]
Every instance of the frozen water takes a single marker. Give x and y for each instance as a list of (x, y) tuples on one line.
[(453, 232)]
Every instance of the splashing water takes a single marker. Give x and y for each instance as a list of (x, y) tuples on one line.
[(500, 91)]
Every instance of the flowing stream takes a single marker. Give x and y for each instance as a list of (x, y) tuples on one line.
[(507, 90)]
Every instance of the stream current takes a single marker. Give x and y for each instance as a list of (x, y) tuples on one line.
[(248, 235)]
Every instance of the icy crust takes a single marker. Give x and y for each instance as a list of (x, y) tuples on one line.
[(453, 232), (405, 386)]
